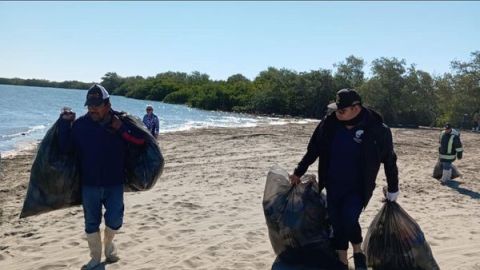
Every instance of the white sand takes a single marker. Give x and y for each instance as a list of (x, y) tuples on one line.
[(206, 211)]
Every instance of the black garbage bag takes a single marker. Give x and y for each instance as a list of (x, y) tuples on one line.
[(297, 223), (54, 178), (394, 241), (438, 171), (145, 162)]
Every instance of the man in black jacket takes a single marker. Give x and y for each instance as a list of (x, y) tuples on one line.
[(350, 145), (449, 150)]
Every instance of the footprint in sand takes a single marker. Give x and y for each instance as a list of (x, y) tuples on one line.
[(235, 226), (53, 266), (146, 228), (187, 231), (50, 242), (442, 238), (213, 227), (74, 243), (29, 248), (27, 235)]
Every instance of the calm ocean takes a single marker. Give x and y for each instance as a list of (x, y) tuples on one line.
[(26, 113)]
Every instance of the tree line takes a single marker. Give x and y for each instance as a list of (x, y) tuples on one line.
[(46, 83), (404, 95)]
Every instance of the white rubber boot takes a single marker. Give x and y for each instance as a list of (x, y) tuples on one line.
[(95, 245), (110, 249), (446, 176)]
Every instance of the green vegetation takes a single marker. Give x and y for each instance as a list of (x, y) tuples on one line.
[(404, 95), (45, 83)]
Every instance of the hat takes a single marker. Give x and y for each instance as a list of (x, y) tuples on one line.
[(149, 107), (345, 98), (448, 126), (96, 95)]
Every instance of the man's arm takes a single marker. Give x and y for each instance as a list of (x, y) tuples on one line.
[(157, 125), (458, 147), (65, 136), (313, 151), (390, 162), (125, 131)]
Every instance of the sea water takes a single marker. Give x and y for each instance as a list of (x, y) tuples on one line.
[(26, 113)]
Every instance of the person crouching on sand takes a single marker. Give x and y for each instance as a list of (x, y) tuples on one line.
[(449, 150)]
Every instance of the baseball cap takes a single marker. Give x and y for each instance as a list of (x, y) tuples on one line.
[(345, 98), (96, 95), (448, 126)]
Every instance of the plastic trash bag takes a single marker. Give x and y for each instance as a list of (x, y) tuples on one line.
[(438, 171), (144, 162), (394, 241), (297, 223), (54, 178)]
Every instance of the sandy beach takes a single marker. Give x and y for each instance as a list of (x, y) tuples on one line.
[(206, 210)]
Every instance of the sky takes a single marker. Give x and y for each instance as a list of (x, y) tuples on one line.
[(83, 40)]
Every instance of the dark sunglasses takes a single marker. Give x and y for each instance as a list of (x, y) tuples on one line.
[(344, 110), (96, 106)]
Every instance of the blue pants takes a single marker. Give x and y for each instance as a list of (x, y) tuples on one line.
[(92, 200), (344, 214), (446, 165)]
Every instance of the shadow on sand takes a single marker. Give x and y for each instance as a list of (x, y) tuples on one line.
[(456, 185)]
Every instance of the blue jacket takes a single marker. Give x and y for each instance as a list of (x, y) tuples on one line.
[(100, 150), (152, 123)]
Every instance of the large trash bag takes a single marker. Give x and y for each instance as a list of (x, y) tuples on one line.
[(55, 181), (145, 162), (297, 223), (54, 178), (394, 241), (438, 171)]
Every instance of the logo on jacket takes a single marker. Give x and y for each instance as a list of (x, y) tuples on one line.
[(358, 136)]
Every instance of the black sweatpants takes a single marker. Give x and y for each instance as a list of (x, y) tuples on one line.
[(344, 214)]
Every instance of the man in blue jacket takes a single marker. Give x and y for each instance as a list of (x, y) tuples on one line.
[(99, 139), (350, 144)]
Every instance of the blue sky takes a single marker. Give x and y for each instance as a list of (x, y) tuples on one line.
[(84, 40)]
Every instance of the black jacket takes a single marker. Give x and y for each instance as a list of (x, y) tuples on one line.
[(377, 147), (450, 146)]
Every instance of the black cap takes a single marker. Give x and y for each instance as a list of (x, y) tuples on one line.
[(96, 95), (448, 126), (345, 98)]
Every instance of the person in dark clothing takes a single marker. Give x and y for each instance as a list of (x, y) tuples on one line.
[(151, 121), (99, 140), (449, 150), (476, 121), (350, 145)]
